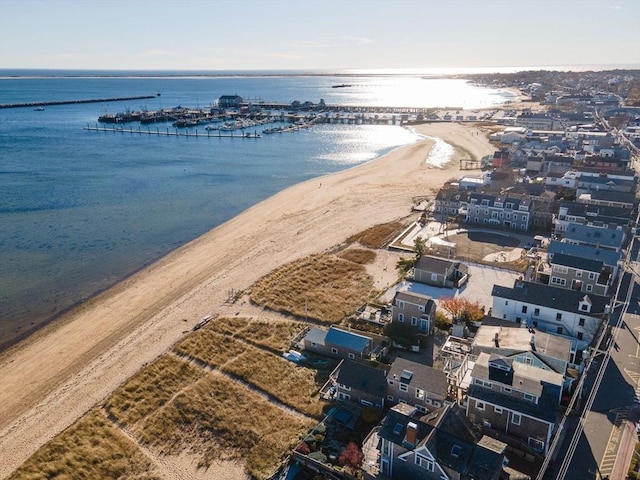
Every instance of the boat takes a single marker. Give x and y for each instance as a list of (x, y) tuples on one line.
[(39, 109), (342, 85)]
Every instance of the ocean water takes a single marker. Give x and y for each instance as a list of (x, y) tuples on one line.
[(80, 210)]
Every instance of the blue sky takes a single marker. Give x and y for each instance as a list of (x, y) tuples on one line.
[(341, 34)]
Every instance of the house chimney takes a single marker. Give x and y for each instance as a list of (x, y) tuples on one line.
[(412, 433), (519, 282), (495, 339)]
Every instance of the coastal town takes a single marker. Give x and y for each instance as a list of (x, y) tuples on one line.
[(489, 332)]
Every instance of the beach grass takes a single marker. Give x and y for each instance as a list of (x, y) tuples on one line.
[(91, 448), (322, 287), (150, 389), (290, 384), (220, 419), (377, 236), (361, 256), (271, 334)]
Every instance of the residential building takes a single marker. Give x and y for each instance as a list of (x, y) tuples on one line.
[(609, 199), (449, 199), (581, 274), (425, 447), (415, 384), (337, 342), (559, 311), (610, 258), (360, 383), (607, 238), (515, 399), (499, 211), (440, 272), (414, 309)]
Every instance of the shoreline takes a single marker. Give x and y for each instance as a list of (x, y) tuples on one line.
[(54, 376)]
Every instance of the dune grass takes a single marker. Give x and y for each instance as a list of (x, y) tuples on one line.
[(217, 418), (321, 287), (150, 388), (362, 256), (377, 236), (274, 335), (91, 448), (210, 347)]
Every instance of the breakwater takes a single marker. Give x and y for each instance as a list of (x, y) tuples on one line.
[(71, 102), (172, 133)]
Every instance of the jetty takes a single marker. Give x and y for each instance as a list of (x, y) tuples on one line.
[(72, 102), (171, 133)]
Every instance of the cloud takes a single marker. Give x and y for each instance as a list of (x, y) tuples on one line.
[(359, 40)]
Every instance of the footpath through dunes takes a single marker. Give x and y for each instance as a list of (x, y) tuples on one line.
[(57, 375)]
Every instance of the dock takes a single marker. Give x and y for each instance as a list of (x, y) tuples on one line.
[(72, 102), (171, 133)]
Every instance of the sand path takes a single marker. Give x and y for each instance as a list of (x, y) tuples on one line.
[(55, 376)]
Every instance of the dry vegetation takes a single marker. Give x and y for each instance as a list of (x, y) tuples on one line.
[(91, 448), (377, 236), (150, 389), (321, 287), (291, 385), (218, 418), (274, 335), (359, 255)]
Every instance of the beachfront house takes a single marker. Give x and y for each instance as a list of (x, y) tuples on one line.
[(508, 212), (440, 272), (360, 383), (337, 342)]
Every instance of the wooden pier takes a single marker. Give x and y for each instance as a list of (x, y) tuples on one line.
[(172, 133)]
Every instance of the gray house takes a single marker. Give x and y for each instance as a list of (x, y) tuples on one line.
[(509, 212), (580, 274), (514, 399), (414, 309), (418, 385), (608, 238), (362, 384), (440, 272), (338, 343)]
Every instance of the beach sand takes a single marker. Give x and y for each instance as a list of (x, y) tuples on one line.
[(55, 376)]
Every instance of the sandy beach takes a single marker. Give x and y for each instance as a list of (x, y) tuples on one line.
[(55, 376)]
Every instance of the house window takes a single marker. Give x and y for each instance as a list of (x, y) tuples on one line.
[(352, 356), (419, 394), (506, 389), (479, 405), (580, 335), (560, 269), (515, 216), (424, 463), (344, 396), (536, 312), (334, 350), (421, 408), (434, 277), (592, 275), (536, 444), (455, 451), (401, 317), (414, 321), (578, 273), (506, 302), (366, 403), (404, 387), (524, 309), (528, 396), (515, 418), (558, 316), (400, 304), (589, 288), (558, 281), (581, 322), (498, 410), (390, 398), (584, 307), (559, 331)]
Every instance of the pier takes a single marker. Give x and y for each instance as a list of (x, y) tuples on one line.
[(170, 133), (72, 102)]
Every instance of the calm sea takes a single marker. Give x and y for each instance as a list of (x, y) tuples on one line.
[(81, 210)]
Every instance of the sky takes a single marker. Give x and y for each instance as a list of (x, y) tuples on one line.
[(316, 34)]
